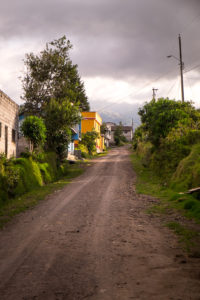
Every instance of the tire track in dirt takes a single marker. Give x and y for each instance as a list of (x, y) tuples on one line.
[(93, 240)]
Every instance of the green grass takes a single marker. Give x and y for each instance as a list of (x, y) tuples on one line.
[(150, 184), (186, 236), (19, 204)]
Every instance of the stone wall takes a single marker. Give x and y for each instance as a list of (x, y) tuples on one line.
[(8, 125)]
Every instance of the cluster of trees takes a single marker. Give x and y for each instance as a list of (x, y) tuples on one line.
[(119, 138), (168, 131), (54, 95)]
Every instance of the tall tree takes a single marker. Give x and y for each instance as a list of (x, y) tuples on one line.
[(89, 140), (34, 130), (59, 118), (159, 117), (118, 135), (51, 74)]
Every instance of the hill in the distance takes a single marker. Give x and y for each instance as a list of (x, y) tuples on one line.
[(117, 112)]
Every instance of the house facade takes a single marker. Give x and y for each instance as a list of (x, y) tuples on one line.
[(107, 135), (23, 143), (127, 132), (8, 125), (76, 136), (92, 121)]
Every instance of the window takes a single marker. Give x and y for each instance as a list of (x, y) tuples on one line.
[(0, 129), (13, 135)]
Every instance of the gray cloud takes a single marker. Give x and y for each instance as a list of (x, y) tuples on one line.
[(115, 38)]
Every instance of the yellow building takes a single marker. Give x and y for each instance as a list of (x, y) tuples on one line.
[(92, 121)]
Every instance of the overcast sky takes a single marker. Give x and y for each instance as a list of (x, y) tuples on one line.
[(120, 46)]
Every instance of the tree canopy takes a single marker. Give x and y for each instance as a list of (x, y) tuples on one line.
[(159, 117), (34, 130), (89, 140), (59, 118), (118, 135), (51, 74), (54, 91)]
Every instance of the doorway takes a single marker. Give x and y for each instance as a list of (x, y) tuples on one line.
[(6, 141)]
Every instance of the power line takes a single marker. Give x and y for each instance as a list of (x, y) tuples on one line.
[(190, 24), (138, 92), (190, 86), (192, 68), (172, 86), (154, 93)]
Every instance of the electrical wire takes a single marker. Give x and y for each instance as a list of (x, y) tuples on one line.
[(190, 24), (138, 92), (192, 69), (172, 86), (190, 86)]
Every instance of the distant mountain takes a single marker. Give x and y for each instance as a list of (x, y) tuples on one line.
[(118, 112)]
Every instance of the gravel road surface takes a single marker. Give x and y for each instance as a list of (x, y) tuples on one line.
[(94, 240)]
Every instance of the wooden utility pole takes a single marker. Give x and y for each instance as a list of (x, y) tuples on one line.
[(181, 68), (154, 93)]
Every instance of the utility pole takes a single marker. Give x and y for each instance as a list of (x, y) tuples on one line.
[(154, 93), (181, 68), (132, 128)]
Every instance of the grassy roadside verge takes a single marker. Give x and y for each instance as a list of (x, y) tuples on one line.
[(170, 204), (29, 200)]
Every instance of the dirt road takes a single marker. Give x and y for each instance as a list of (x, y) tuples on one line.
[(93, 240)]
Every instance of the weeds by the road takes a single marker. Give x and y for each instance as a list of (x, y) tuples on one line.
[(29, 200), (149, 183), (186, 235), (169, 201)]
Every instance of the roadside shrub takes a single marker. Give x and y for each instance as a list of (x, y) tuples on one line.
[(84, 150), (166, 158), (161, 116), (46, 174), (11, 179), (189, 204), (144, 151), (30, 175), (187, 174), (21, 175), (64, 168), (89, 141)]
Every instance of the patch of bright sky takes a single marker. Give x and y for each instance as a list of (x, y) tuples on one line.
[(12, 53), (110, 90)]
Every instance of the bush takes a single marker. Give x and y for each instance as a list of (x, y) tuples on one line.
[(144, 151), (30, 175), (21, 175), (189, 204), (84, 150), (161, 116), (34, 130), (187, 174), (89, 141)]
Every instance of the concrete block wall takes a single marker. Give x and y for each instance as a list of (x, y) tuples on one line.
[(8, 122)]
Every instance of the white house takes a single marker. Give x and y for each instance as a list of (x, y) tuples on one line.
[(127, 132), (8, 125)]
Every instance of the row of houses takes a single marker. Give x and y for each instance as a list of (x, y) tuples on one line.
[(8, 125), (111, 127), (12, 143)]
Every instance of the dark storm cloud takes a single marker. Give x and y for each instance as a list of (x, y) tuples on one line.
[(124, 39)]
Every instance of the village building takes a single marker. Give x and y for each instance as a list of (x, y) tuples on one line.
[(23, 143), (127, 132), (92, 121), (76, 136), (107, 135), (8, 125)]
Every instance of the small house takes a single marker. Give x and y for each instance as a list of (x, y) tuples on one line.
[(8, 125)]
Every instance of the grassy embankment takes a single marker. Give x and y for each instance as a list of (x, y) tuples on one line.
[(26, 181), (168, 192)]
